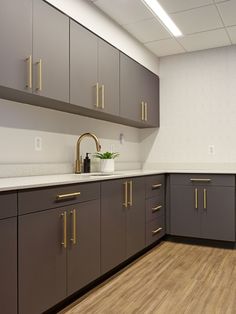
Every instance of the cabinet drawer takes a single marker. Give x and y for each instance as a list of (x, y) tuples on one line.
[(155, 185), (154, 208), (40, 199), (155, 230), (8, 204), (203, 179)]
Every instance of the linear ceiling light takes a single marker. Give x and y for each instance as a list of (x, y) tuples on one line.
[(157, 10)]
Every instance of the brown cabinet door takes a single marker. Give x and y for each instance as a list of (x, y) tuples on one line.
[(108, 78), (51, 46), (83, 264), (185, 215), (8, 266), (16, 43), (131, 96), (218, 213), (42, 260), (83, 66), (113, 224), (135, 228)]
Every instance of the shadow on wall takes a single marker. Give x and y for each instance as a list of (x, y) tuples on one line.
[(22, 116), (148, 138)]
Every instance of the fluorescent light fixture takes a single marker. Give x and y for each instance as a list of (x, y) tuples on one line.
[(157, 10)]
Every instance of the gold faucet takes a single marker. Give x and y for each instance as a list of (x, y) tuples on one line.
[(98, 146)]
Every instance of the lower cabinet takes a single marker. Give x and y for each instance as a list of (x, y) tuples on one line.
[(122, 220), (8, 265), (203, 206), (59, 252)]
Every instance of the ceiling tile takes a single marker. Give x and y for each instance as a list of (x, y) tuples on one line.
[(147, 30), (165, 47), (124, 11), (205, 40), (180, 5), (198, 20), (228, 12), (232, 33)]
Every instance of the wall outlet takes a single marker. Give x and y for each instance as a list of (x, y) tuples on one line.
[(211, 149), (38, 143)]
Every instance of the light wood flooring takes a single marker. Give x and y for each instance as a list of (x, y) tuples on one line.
[(173, 278)]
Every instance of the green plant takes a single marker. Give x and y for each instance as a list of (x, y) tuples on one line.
[(106, 155)]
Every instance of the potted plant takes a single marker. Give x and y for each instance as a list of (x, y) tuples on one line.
[(107, 161)]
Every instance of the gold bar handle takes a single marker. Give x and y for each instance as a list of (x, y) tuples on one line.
[(155, 209), (156, 231), (125, 204), (205, 198), (142, 111), (29, 72), (156, 186), (146, 111), (196, 198), (103, 96), (64, 242), (65, 196), (200, 180), (39, 84), (130, 193), (73, 238), (97, 95)]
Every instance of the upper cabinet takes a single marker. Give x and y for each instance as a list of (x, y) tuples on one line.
[(50, 52), (139, 93), (94, 71), (46, 59), (16, 43)]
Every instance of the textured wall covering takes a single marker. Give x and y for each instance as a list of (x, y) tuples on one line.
[(198, 108)]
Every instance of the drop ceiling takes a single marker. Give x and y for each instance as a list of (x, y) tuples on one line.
[(204, 23)]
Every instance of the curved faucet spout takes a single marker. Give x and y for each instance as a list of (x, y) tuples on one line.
[(98, 147)]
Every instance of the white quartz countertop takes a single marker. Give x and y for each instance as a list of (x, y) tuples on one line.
[(17, 183)]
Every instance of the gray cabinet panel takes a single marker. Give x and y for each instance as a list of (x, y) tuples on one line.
[(155, 208), (185, 218), (214, 179), (8, 204), (130, 88), (83, 263), (16, 42), (83, 66), (155, 230), (218, 218), (108, 75), (155, 186), (51, 45), (8, 266), (135, 237), (113, 225), (42, 260)]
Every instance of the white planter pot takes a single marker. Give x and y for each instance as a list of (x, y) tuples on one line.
[(107, 165)]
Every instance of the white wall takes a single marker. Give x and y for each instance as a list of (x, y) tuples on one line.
[(198, 109), (87, 14)]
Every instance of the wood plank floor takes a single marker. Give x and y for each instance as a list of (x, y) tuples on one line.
[(172, 278)]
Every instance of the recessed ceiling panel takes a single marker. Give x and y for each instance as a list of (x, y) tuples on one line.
[(147, 30), (232, 33), (172, 6), (228, 12), (165, 47)]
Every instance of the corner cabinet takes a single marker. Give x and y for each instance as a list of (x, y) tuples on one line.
[(94, 71), (139, 93), (122, 220), (203, 206)]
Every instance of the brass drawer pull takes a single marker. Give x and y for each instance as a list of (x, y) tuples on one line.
[(73, 238), (125, 204), (142, 111), (146, 111), (64, 242), (156, 231), (200, 180), (97, 95), (29, 72), (69, 195), (196, 198), (103, 96), (156, 186), (39, 84), (155, 209)]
